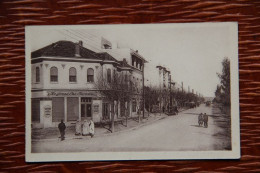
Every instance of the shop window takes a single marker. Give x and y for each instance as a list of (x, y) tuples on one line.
[(72, 108), (35, 110), (37, 74), (57, 109), (54, 74), (109, 75), (90, 75), (73, 74)]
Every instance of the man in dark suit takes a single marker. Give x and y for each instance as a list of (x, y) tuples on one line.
[(62, 128)]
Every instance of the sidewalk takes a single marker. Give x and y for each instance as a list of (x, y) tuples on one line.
[(132, 123)]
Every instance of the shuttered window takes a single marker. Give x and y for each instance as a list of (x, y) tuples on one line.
[(54, 74), (72, 108), (57, 109), (37, 74), (90, 75), (35, 110), (72, 74), (108, 75)]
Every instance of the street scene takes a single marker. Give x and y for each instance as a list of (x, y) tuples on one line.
[(143, 88), (169, 133)]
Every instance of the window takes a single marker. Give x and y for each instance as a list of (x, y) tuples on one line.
[(134, 105), (54, 74), (35, 110), (57, 109), (37, 74), (90, 75), (72, 75), (108, 75)]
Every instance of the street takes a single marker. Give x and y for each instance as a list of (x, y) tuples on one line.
[(173, 133)]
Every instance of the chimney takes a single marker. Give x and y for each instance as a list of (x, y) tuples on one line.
[(81, 43), (136, 51), (77, 48)]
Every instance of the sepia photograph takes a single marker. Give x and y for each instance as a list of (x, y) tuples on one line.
[(132, 92)]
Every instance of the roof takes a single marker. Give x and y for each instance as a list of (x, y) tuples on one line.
[(64, 49), (105, 56)]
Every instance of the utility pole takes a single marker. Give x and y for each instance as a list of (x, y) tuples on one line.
[(143, 91)]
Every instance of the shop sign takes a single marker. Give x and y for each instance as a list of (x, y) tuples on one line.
[(70, 93), (95, 108), (47, 111)]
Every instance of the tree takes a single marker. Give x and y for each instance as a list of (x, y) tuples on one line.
[(224, 89), (151, 97), (116, 89)]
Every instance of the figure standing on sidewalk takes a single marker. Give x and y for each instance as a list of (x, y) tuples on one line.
[(62, 128), (88, 128), (78, 127), (205, 119)]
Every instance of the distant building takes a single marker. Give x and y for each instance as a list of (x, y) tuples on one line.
[(64, 83), (164, 87)]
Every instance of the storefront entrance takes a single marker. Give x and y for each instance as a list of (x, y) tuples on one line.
[(86, 107)]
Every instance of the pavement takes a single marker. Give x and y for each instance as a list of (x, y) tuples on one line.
[(49, 134), (166, 133)]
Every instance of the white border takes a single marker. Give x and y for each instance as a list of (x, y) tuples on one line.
[(170, 155)]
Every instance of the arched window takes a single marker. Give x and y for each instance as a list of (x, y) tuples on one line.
[(109, 75), (54, 74), (73, 74), (37, 74), (90, 75)]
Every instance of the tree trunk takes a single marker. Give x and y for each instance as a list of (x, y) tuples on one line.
[(112, 118), (126, 117)]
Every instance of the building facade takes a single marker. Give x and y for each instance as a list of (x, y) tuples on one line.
[(66, 84)]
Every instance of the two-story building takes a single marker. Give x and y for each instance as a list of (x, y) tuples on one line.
[(65, 83)]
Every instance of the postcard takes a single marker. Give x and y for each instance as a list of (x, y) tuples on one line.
[(132, 92)]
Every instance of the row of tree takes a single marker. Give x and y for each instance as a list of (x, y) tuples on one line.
[(154, 96), (222, 93)]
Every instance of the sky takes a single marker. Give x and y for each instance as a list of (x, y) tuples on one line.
[(192, 52)]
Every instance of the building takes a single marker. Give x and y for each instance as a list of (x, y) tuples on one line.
[(164, 87), (66, 79)]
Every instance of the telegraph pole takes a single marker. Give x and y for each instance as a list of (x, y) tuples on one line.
[(143, 91)]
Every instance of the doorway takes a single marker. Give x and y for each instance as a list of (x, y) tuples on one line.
[(86, 107)]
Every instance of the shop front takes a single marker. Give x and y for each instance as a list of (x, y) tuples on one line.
[(50, 107)]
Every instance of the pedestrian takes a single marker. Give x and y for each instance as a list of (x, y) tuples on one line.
[(88, 128), (200, 119), (85, 128), (205, 119), (62, 128), (78, 127), (91, 128)]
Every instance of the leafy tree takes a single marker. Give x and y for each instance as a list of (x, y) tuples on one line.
[(119, 88), (224, 90)]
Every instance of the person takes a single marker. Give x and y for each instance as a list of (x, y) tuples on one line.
[(62, 128), (205, 119), (91, 128), (85, 128), (88, 128), (78, 127), (200, 119)]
